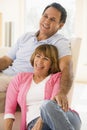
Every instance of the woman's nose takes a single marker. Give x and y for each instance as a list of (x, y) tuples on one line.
[(40, 60)]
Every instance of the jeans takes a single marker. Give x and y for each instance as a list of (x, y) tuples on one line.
[(55, 118), (31, 124)]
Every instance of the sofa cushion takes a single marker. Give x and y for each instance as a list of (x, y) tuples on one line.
[(4, 82)]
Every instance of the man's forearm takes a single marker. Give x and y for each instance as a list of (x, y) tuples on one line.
[(5, 62), (66, 80), (65, 65)]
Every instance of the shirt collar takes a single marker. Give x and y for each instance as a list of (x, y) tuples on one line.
[(46, 40)]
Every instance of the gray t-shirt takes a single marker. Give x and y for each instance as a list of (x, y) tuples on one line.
[(25, 46)]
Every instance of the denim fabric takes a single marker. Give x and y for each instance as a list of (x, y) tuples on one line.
[(57, 119), (31, 124)]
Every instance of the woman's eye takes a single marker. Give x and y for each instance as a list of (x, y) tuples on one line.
[(46, 58), (37, 55)]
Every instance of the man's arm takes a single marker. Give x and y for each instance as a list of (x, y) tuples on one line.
[(65, 65), (5, 62)]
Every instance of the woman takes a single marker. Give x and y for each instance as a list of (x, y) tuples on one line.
[(29, 90)]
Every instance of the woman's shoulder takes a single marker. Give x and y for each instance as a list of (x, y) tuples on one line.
[(56, 76), (23, 75)]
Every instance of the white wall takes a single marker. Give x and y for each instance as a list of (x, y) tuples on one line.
[(12, 11), (81, 31)]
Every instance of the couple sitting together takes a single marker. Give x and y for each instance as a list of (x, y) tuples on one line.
[(40, 69)]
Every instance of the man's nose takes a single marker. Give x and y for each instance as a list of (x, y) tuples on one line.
[(47, 21)]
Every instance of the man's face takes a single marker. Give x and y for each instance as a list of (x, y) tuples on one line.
[(50, 22)]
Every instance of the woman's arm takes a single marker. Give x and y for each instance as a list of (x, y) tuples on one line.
[(8, 124), (11, 103)]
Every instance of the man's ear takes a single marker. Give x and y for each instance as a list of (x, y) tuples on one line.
[(61, 25)]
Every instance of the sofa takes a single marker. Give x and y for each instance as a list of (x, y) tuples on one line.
[(75, 47), (16, 125)]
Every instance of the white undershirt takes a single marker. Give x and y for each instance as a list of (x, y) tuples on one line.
[(34, 99)]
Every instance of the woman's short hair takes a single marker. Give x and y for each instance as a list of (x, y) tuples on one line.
[(49, 51)]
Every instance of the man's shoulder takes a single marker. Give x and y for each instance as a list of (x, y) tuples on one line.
[(63, 44), (27, 35), (61, 37), (59, 40)]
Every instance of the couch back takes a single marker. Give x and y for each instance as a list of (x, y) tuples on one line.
[(75, 48)]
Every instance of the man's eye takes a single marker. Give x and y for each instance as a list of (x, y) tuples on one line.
[(52, 19), (45, 16)]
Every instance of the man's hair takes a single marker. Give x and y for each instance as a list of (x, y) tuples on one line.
[(59, 8), (49, 51)]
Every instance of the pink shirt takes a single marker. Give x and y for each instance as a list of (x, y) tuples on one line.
[(18, 89)]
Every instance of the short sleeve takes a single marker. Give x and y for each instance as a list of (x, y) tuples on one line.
[(64, 47)]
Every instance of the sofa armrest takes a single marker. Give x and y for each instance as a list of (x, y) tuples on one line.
[(2, 101), (4, 50)]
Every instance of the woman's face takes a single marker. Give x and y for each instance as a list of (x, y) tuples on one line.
[(42, 64), (50, 22)]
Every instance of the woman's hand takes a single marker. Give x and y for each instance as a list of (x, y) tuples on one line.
[(38, 125)]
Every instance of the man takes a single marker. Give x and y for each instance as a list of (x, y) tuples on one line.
[(17, 60)]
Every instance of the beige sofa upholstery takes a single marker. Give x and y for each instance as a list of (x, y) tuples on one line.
[(16, 125), (75, 46)]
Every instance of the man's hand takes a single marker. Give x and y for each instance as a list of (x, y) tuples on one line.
[(62, 101), (38, 125)]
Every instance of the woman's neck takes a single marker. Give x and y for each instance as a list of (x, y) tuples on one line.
[(38, 78)]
